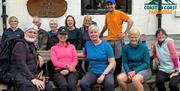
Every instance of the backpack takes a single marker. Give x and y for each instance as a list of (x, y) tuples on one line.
[(7, 77)]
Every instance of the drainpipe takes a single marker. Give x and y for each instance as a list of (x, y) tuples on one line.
[(159, 15), (4, 15)]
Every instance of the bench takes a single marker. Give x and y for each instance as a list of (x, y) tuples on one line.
[(97, 87), (46, 56), (151, 83)]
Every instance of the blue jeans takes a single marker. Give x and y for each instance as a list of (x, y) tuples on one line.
[(89, 79)]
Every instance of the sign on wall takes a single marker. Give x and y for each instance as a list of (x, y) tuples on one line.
[(47, 8)]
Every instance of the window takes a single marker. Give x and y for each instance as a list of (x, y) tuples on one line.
[(97, 7)]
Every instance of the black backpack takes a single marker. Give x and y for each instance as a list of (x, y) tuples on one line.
[(7, 77)]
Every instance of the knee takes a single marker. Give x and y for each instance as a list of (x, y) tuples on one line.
[(109, 86), (72, 85), (159, 81), (121, 78), (83, 83), (64, 85), (172, 84), (136, 80)]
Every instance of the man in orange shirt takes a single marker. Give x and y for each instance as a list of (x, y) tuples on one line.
[(113, 22)]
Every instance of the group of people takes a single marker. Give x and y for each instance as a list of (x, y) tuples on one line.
[(105, 57)]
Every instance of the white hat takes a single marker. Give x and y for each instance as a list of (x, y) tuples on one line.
[(30, 26)]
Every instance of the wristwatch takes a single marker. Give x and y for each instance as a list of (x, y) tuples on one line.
[(104, 73), (176, 70)]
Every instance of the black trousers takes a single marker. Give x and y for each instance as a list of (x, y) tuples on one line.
[(66, 83), (24, 84), (118, 67), (162, 77)]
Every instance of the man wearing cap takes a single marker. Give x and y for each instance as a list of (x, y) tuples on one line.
[(113, 22), (25, 61)]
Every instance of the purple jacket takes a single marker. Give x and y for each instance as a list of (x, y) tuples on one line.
[(25, 60)]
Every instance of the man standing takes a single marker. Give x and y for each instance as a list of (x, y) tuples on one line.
[(113, 22), (25, 63), (41, 42)]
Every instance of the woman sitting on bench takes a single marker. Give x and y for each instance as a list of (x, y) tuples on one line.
[(136, 62)]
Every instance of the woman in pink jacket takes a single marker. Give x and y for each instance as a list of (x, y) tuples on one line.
[(64, 58)]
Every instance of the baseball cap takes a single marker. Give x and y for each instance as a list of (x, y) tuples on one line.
[(111, 1), (62, 30)]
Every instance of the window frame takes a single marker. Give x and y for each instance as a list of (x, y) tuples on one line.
[(85, 11)]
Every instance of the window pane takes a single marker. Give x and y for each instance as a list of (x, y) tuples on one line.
[(99, 7)]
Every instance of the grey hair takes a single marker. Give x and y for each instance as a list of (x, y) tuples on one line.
[(37, 17), (13, 17), (134, 31), (53, 21), (93, 27)]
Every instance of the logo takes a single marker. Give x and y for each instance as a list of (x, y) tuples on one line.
[(167, 7)]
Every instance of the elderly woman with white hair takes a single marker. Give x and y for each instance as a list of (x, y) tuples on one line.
[(101, 62), (25, 63), (52, 40), (136, 62), (13, 32)]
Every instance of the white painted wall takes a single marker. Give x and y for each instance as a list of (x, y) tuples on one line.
[(146, 22)]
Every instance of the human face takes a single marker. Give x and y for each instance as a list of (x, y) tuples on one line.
[(13, 23), (94, 35), (53, 26), (134, 39), (110, 7), (31, 35), (62, 37), (37, 22), (160, 36), (70, 22), (87, 22)]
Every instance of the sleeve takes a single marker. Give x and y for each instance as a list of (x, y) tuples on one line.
[(109, 49), (79, 34), (55, 60), (20, 57), (74, 57), (125, 60), (124, 16), (146, 61), (85, 49), (22, 33), (154, 52), (43, 41), (173, 53)]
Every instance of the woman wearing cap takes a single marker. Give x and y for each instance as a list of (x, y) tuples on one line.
[(64, 58), (75, 35), (52, 40), (12, 32), (165, 56), (101, 62), (137, 68)]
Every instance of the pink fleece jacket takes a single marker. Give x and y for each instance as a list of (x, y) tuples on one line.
[(62, 56)]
